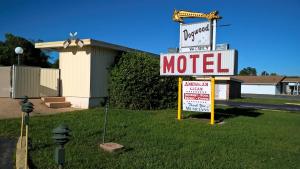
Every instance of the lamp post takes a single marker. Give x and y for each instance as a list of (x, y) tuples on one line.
[(61, 137), (19, 51), (27, 108)]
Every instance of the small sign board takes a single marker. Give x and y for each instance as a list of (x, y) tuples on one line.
[(195, 36), (196, 96)]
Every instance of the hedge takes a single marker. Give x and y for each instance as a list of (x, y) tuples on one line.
[(135, 83)]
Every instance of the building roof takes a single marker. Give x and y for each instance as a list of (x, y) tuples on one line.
[(291, 79), (260, 79), (58, 45)]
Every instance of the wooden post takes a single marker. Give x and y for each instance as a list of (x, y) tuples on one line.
[(26, 148), (22, 126)]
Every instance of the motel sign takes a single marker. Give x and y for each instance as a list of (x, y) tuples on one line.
[(199, 63)]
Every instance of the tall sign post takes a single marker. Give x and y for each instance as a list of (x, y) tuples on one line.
[(212, 112), (212, 81), (197, 56)]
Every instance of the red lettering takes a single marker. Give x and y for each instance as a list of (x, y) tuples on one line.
[(168, 65), (181, 58), (194, 58), (220, 70), (205, 63)]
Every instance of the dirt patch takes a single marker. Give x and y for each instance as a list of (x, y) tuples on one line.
[(10, 108)]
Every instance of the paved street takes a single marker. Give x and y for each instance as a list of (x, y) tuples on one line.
[(7, 148), (259, 106), (286, 97)]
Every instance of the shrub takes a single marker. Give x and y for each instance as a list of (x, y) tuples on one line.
[(135, 83)]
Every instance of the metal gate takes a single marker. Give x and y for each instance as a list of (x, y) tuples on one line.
[(25, 81), (5, 81), (34, 82)]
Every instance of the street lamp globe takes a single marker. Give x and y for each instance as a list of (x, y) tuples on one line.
[(19, 50)]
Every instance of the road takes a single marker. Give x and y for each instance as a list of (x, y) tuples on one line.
[(259, 105), (7, 148), (264, 96)]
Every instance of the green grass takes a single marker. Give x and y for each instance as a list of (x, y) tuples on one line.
[(266, 100), (156, 140)]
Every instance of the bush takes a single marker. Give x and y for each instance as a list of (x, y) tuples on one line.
[(135, 83)]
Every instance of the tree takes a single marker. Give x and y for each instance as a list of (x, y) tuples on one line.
[(264, 73), (30, 57), (56, 63), (248, 71), (273, 74)]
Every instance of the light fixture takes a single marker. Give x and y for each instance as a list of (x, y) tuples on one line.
[(68, 42), (19, 51)]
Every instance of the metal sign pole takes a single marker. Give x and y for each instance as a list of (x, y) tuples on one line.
[(212, 107), (179, 84), (214, 38), (179, 98), (212, 80), (105, 119)]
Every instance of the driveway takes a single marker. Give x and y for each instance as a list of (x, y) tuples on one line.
[(259, 105), (10, 108), (7, 147)]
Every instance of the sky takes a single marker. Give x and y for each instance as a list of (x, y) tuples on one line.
[(265, 32)]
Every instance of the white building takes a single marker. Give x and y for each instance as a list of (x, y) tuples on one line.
[(84, 71), (270, 85), (225, 87), (291, 86)]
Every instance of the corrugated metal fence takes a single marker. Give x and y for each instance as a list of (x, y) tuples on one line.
[(25, 81), (34, 82)]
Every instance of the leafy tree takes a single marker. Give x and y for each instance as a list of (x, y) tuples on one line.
[(248, 71), (30, 57), (264, 73)]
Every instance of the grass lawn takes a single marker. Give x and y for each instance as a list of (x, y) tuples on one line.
[(266, 100), (155, 139)]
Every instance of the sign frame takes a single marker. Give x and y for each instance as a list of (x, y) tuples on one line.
[(194, 29), (196, 96)]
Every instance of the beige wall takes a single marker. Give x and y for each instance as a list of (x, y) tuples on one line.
[(75, 65), (5, 81), (84, 74), (49, 82), (101, 59)]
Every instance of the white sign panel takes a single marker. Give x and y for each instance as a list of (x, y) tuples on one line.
[(196, 96), (199, 63), (195, 35)]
